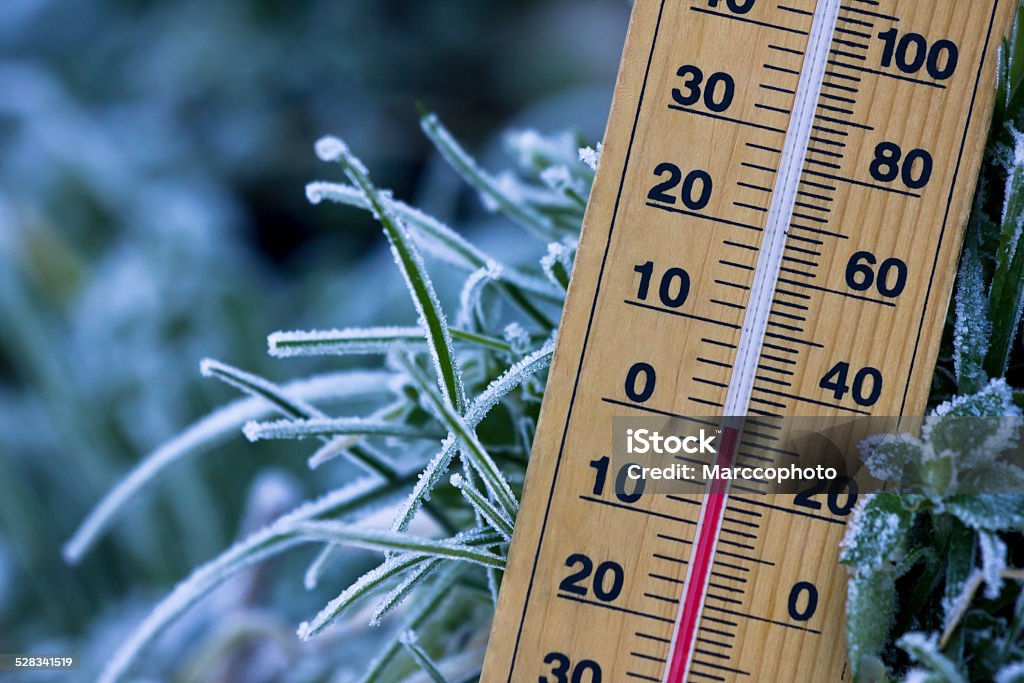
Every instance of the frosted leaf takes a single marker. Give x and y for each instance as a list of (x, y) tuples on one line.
[(517, 337), (922, 676), (535, 152), (870, 611), (591, 157), (361, 588), (556, 177), (271, 540), (492, 191), (483, 507), (434, 237), (994, 477), (389, 541), (426, 606), (316, 568), (993, 562), (925, 649), (258, 387), (972, 329), (876, 535), (208, 432), (557, 264), (1011, 673), (342, 341), (889, 457), (327, 427), (413, 580), (993, 512), (977, 427), (472, 291), (430, 234), (478, 409)]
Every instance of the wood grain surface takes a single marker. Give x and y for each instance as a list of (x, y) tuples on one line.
[(863, 291)]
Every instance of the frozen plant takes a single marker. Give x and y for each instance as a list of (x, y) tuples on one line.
[(935, 588), (443, 443)]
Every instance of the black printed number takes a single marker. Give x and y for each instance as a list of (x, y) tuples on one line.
[(606, 580), (563, 670), (914, 169), (889, 278), (803, 601), (640, 382), (622, 481), (911, 52), (841, 486), (866, 387), (735, 6), (673, 288), (694, 189), (716, 91)]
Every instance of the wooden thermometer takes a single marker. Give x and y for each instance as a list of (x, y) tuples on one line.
[(774, 231)]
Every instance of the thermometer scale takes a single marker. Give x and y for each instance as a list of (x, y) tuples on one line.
[(773, 231)]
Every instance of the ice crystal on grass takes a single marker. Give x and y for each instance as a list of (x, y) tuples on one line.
[(471, 389)]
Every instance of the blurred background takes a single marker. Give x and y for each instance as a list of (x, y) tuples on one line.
[(153, 157)]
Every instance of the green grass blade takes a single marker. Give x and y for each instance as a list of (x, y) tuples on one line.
[(481, 406), (429, 605), (420, 656), (389, 541), (472, 449), (487, 186), (274, 539), (409, 584), (365, 586), (334, 426), (484, 507), (1006, 296), (413, 270), (371, 340), (205, 434), (258, 387)]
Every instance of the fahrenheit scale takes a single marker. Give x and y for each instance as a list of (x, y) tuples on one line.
[(773, 231)]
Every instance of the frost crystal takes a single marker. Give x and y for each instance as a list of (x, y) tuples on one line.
[(330, 148), (972, 330), (1012, 673), (590, 156), (993, 563)]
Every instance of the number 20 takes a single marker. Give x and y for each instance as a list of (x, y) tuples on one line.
[(695, 188)]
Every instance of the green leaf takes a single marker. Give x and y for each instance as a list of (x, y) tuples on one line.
[(390, 541), (992, 512), (925, 649), (870, 610), (258, 387), (490, 514), (444, 243), (876, 537)]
